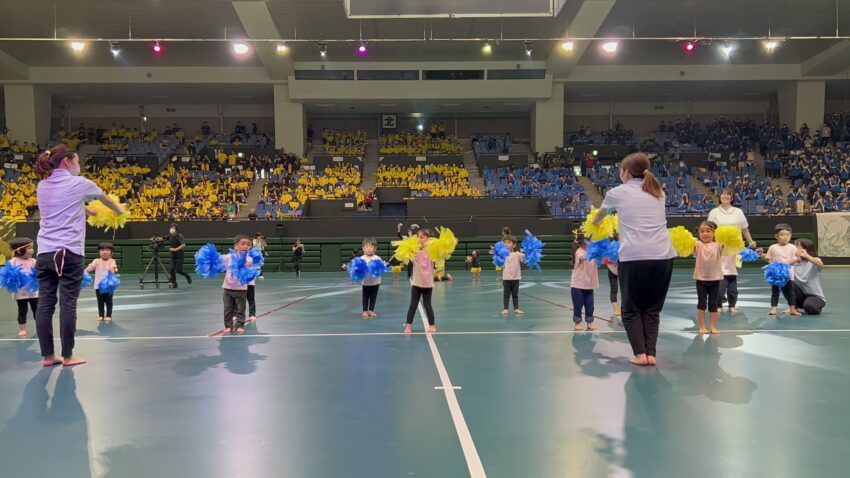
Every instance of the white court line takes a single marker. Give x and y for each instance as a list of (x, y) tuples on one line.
[(388, 334), (473, 461)]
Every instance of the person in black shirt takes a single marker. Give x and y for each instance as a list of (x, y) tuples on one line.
[(297, 256), (176, 246)]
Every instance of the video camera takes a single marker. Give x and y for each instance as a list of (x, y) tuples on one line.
[(156, 243)]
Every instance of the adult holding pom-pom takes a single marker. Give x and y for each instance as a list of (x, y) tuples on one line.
[(62, 195), (646, 253), (728, 215)]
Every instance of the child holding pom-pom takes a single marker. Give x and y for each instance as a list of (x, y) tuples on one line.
[(511, 275), (101, 267), (782, 251), (583, 281), (22, 248), (474, 265), (422, 282), (370, 283), (235, 292), (708, 273)]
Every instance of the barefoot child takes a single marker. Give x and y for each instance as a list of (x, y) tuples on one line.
[(583, 281), (474, 266), (235, 294), (101, 266), (511, 275), (708, 273), (370, 284), (783, 251), (22, 248), (421, 283), (395, 267)]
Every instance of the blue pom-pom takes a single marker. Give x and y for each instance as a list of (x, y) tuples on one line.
[(208, 262), (613, 253), (533, 249), (357, 269), (256, 256), (748, 255), (243, 273), (109, 284), (777, 273), (12, 277), (597, 250), (88, 280), (500, 254), (30, 282), (377, 268)]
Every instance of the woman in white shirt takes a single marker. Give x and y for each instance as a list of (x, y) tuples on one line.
[(646, 253), (728, 215)]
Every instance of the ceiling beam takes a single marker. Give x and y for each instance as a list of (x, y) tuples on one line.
[(586, 23), (828, 62), (11, 68), (258, 23)]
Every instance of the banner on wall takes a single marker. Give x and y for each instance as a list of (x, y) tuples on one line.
[(834, 234)]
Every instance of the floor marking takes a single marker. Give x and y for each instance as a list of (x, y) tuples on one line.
[(440, 387), (390, 334), (219, 332), (564, 306), (473, 461)]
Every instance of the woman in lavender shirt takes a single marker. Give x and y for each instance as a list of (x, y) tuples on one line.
[(646, 253), (62, 195)]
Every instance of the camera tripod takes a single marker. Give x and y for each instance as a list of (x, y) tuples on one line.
[(156, 263)]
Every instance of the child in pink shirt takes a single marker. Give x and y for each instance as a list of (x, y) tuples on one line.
[(511, 275), (783, 251), (583, 281), (101, 266), (23, 252), (708, 273), (422, 283)]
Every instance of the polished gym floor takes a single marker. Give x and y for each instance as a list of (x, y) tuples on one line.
[(313, 390)]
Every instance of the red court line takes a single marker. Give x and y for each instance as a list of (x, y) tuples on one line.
[(221, 331), (563, 306)]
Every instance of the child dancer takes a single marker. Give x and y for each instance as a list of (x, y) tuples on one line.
[(22, 248), (782, 251), (511, 275), (440, 274), (583, 281), (235, 294), (708, 273), (101, 266), (474, 266), (613, 281), (370, 284), (506, 231), (421, 283), (395, 267)]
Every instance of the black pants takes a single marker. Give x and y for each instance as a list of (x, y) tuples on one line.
[(409, 270), (296, 265), (252, 303), (370, 297), (417, 293), (234, 306), (613, 281), (104, 301), (787, 291), (644, 285), (22, 309), (177, 268), (511, 292), (810, 304), (707, 292), (60, 275), (728, 291), (582, 299)]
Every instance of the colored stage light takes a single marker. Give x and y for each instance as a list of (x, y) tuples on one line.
[(157, 48)]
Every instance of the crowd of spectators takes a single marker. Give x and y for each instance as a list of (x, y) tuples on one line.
[(618, 135), (433, 180), (492, 143), (344, 142), (412, 144), (564, 195)]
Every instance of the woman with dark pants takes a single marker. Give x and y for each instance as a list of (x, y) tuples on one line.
[(728, 215), (808, 291), (62, 194), (177, 248), (646, 253), (297, 256)]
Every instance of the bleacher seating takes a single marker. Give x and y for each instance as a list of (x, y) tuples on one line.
[(433, 180), (585, 135), (344, 142), (564, 195), (492, 143), (286, 192), (407, 143)]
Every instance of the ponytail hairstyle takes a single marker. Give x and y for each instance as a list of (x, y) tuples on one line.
[(637, 164), (50, 160), (578, 242)]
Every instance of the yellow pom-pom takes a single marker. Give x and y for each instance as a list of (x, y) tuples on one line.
[(730, 238), (406, 249), (605, 230), (683, 241), (105, 218), (441, 249)]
